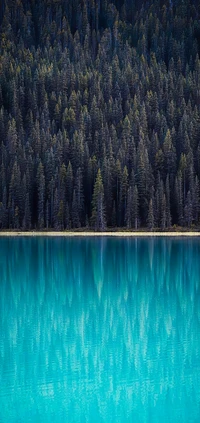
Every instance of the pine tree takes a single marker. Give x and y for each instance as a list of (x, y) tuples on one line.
[(123, 195), (188, 210), (27, 214), (75, 211), (98, 211), (41, 195), (132, 208), (60, 216), (69, 184), (150, 219), (168, 204)]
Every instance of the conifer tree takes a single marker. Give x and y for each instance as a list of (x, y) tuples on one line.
[(150, 219), (41, 195), (98, 211)]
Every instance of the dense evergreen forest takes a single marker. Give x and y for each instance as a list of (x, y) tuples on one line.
[(99, 114)]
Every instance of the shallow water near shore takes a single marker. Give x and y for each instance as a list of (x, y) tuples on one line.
[(99, 329)]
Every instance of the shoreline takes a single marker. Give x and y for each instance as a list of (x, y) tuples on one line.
[(99, 234)]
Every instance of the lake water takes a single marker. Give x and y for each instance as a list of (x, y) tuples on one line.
[(99, 330)]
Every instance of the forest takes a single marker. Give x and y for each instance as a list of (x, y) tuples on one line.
[(99, 114)]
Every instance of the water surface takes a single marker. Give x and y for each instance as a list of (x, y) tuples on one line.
[(99, 330)]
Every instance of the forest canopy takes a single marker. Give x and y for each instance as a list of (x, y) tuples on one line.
[(99, 114)]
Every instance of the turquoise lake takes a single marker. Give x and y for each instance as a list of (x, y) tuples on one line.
[(99, 330)]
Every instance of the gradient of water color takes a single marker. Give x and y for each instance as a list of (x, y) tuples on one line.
[(99, 330)]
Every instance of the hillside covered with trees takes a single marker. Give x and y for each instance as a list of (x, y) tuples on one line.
[(99, 114)]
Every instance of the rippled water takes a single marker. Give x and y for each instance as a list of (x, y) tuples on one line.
[(99, 330)]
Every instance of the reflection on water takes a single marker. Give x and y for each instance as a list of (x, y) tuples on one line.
[(99, 330)]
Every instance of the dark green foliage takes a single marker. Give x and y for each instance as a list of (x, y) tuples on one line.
[(99, 113), (150, 218), (98, 210)]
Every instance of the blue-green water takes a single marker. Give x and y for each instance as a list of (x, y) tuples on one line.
[(99, 330)]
